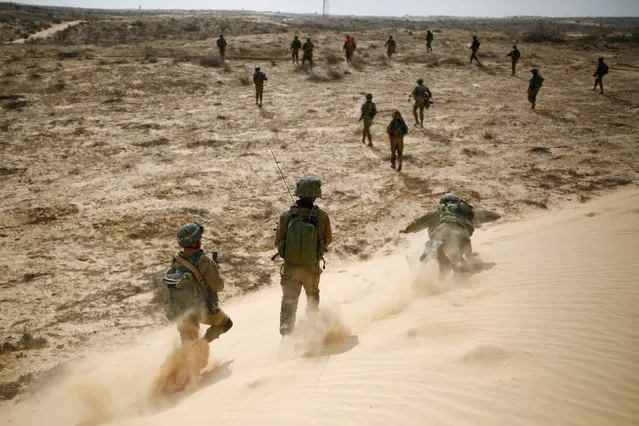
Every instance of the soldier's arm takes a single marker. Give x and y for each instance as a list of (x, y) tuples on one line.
[(327, 232), (374, 110), (280, 233), (422, 222), (211, 273)]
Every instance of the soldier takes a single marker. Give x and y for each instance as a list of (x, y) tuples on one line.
[(474, 48), (602, 69), (450, 227), (221, 45), (307, 50), (369, 111), (390, 46), (349, 48), (302, 236), (296, 45), (533, 87), (396, 131), (258, 79), (422, 96), (429, 40), (514, 54), (193, 281)]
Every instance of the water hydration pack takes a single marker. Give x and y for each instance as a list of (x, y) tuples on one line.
[(302, 238)]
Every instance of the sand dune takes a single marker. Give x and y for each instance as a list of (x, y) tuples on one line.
[(549, 335)]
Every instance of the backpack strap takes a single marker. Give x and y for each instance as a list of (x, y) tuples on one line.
[(188, 265)]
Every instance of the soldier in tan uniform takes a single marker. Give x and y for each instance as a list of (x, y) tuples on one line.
[(302, 236), (307, 50), (369, 111), (422, 96), (396, 131), (193, 282)]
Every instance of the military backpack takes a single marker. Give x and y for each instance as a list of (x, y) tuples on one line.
[(460, 209), (301, 246), (185, 286)]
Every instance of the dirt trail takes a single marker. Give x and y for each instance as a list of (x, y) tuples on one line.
[(49, 31)]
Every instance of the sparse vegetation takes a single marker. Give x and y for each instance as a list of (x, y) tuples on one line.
[(545, 32)]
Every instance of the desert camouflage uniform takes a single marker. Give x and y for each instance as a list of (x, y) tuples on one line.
[(533, 88), (514, 57), (429, 41), (219, 322), (258, 79), (422, 96), (599, 74), (390, 45), (294, 277), (307, 50), (221, 45), (396, 131), (296, 45), (369, 111), (474, 48)]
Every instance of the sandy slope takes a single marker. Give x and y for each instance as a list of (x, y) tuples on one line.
[(548, 335)]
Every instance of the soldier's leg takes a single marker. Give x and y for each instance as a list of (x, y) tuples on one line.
[(189, 329), (368, 122), (601, 84), (400, 153), (415, 106), (364, 132), (513, 67), (311, 288), (291, 289), (393, 147), (421, 115), (219, 323)]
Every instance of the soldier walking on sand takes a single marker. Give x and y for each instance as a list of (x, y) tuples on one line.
[(474, 47), (422, 95), (602, 69), (302, 236), (307, 54), (369, 111), (296, 45), (429, 41), (390, 46), (258, 79), (349, 48), (193, 281), (221, 45), (514, 54), (533, 87), (396, 131)]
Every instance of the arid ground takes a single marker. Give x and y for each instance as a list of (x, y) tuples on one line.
[(117, 130)]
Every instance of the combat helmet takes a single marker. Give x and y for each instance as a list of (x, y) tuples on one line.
[(601, 58), (369, 96), (534, 70), (397, 114), (449, 198), (257, 68), (309, 187), (189, 235), (420, 80)]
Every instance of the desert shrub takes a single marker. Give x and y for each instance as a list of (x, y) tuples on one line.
[(15, 104), (11, 72), (212, 62), (358, 63), (332, 59), (451, 60), (545, 32), (70, 54), (623, 38), (488, 134), (191, 28), (334, 74), (318, 78), (244, 80)]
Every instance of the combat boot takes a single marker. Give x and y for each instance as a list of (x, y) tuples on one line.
[(399, 167), (393, 163)]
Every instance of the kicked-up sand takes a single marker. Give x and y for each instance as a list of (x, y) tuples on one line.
[(545, 332)]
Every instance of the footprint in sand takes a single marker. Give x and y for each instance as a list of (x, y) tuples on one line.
[(495, 362)]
